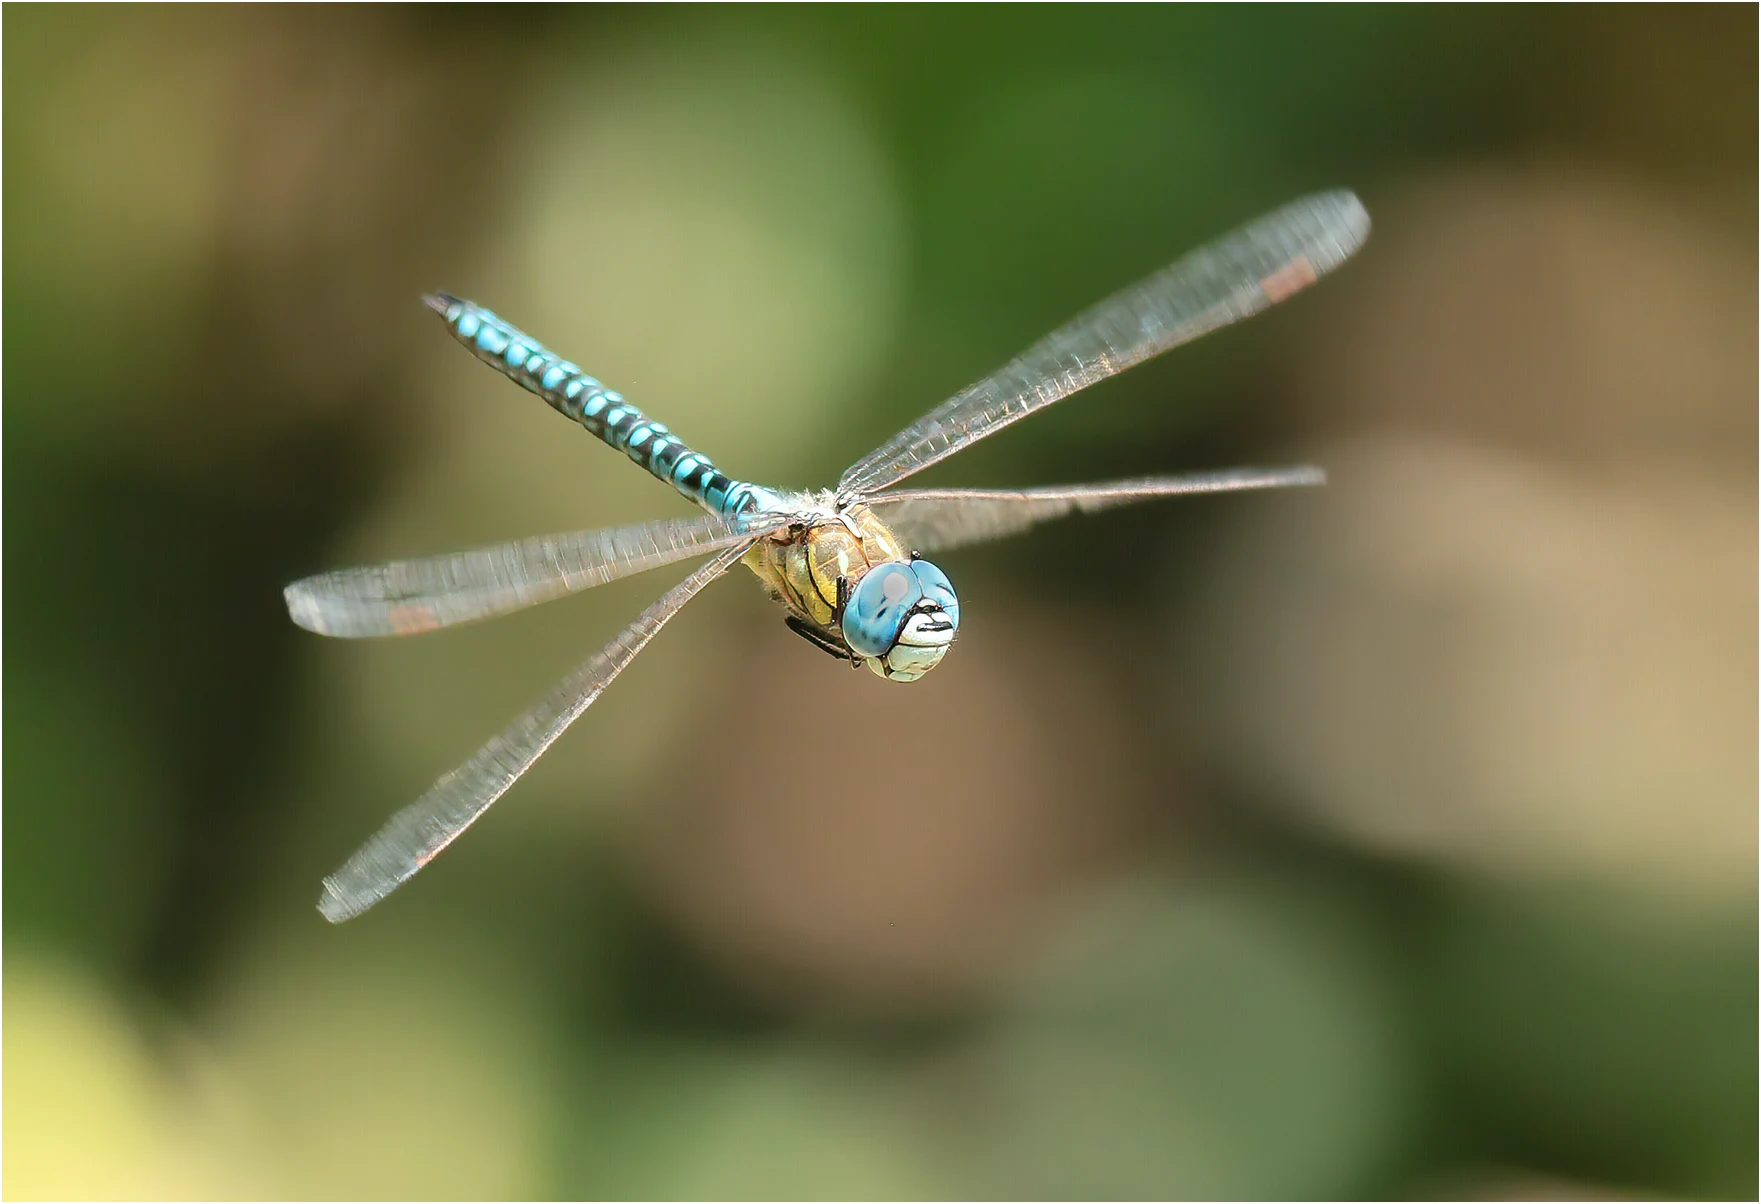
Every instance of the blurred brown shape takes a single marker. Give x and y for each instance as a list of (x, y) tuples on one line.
[(355, 160), (1562, 313), (889, 847), (1526, 640), (226, 208)]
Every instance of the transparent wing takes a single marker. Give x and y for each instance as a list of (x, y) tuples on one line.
[(408, 596), (937, 519), (416, 835), (1227, 280)]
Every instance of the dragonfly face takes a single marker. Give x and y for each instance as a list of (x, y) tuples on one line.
[(901, 618)]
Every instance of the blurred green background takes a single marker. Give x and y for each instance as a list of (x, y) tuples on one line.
[(1393, 840)]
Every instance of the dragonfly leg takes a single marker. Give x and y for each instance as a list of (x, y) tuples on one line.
[(818, 638), (838, 614)]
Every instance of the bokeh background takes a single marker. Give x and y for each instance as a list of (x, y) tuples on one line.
[(1394, 839)]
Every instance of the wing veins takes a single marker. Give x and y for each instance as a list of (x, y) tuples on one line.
[(938, 519), (404, 597), (1222, 282), (421, 831)]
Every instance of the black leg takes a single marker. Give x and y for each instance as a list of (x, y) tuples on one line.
[(843, 598), (818, 638)]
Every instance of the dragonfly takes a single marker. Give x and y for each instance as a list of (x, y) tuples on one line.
[(846, 564)]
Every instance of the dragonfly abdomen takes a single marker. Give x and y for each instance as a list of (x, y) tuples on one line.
[(604, 412)]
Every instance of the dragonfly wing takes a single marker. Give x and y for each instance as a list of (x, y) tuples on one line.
[(937, 519), (408, 596), (1222, 282), (417, 834)]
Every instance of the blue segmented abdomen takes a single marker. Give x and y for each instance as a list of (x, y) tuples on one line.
[(574, 394)]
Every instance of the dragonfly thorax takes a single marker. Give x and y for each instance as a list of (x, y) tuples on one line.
[(895, 613)]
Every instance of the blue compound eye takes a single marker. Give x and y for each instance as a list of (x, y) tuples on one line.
[(902, 618), (938, 588), (878, 607)]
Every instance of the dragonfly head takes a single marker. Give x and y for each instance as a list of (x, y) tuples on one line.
[(901, 618)]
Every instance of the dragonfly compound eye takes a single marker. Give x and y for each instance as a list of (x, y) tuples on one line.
[(901, 618)]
